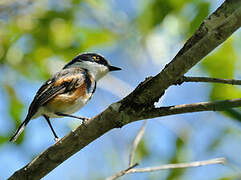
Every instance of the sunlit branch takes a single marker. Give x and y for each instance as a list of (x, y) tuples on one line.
[(195, 107), (208, 80), (179, 165), (168, 166)]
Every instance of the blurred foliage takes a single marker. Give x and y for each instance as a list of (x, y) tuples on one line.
[(33, 32), (3, 139), (142, 151), (179, 156), (232, 177), (202, 11), (16, 106), (235, 114), (221, 64), (15, 110), (217, 141)]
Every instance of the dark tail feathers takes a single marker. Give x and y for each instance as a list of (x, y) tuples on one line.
[(20, 130)]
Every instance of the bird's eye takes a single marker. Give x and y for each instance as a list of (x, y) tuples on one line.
[(96, 58)]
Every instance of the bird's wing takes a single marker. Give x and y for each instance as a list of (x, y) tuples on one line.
[(64, 81)]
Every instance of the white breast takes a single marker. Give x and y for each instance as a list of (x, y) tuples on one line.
[(79, 103)]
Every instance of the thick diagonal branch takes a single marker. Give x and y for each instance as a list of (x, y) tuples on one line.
[(212, 32)]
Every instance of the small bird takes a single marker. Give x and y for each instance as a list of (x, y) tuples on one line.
[(68, 90)]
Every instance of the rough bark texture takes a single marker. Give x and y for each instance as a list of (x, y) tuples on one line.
[(211, 33)]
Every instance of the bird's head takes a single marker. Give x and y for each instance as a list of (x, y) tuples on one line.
[(96, 64)]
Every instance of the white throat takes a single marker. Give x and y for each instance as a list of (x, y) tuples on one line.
[(95, 69)]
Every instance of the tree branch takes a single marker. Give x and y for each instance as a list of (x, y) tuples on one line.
[(212, 32), (188, 108), (131, 168), (179, 165), (208, 80), (136, 141), (168, 166)]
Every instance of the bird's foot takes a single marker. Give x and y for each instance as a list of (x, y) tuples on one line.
[(84, 120), (56, 139)]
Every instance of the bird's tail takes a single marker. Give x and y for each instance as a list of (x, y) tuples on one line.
[(20, 129)]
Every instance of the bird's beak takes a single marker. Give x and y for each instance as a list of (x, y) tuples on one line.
[(113, 68)]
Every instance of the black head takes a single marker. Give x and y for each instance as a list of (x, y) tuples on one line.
[(92, 57)]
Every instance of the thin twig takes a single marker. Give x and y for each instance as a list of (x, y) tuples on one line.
[(121, 173), (195, 107), (168, 166), (136, 142), (208, 80), (179, 165)]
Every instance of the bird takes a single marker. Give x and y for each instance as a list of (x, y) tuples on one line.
[(68, 90)]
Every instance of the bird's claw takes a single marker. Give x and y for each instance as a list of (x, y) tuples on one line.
[(84, 120), (56, 139)]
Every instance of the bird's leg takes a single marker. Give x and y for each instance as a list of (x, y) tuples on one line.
[(84, 119), (56, 138), (69, 115)]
